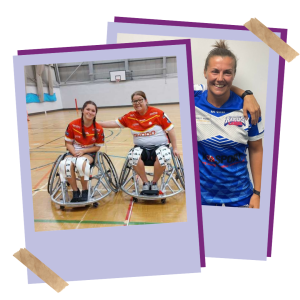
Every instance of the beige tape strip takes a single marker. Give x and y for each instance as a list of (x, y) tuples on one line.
[(40, 269), (271, 39)]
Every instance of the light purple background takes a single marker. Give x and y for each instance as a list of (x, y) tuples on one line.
[(112, 251), (229, 232)]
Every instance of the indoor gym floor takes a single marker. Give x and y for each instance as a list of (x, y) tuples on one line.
[(46, 142)]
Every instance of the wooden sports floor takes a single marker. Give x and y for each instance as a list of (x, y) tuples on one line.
[(46, 141)]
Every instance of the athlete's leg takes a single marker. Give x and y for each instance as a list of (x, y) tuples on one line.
[(84, 183), (72, 180), (140, 170), (158, 170)]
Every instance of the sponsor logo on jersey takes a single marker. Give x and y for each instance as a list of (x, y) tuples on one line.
[(148, 133), (217, 111), (93, 139), (132, 115), (223, 159), (67, 133), (154, 113), (150, 123), (237, 121), (76, 126), (210, 158), (77, 136), (135, 124)]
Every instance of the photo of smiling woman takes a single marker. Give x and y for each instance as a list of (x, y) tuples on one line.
[(224, 135), (83, 138), (152, 130)]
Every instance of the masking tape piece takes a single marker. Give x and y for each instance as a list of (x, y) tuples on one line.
[(40, 269), (271, 39)]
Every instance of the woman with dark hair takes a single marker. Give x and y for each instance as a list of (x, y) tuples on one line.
[(224, 134), (83, 138), (151, 130)]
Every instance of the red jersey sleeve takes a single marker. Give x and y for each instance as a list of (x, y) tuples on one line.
[(101, 138), (123, 121), (165, 122), (69, 134)]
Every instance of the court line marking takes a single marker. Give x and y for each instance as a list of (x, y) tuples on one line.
[(39, 189), (129, 211), (42, 179), (82, 218)]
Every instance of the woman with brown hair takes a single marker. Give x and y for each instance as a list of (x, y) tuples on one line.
[(151, 130), (83, 138), (224, 134)]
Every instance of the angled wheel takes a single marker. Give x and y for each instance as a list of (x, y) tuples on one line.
[(178, 168), (125, 172), (107, 168), (54, 178)]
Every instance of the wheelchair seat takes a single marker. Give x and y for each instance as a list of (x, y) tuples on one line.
[(103, 180), (172, 181)]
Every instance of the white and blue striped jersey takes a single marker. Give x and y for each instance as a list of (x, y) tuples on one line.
[(222, 138)]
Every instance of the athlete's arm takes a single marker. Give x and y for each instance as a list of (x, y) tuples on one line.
[(172, 137), (81, 152), (109, 124), (255, 157), (250, 105), (70, 148)]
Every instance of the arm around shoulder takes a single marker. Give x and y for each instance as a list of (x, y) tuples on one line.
[(109, 124), (250, 104)]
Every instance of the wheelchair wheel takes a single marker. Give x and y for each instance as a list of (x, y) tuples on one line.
[(110, 174), (163, 201), (54, 178), (178, 168), (125, 172)]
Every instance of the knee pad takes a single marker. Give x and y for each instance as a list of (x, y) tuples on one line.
[(79, 163), (65, 168), (163, 154), (134, 156)]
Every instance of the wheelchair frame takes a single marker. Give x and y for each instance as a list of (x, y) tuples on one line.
[(167, 176), (106, 176)]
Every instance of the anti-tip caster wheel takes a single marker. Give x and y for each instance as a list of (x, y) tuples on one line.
[(95, 204), (135, 199), (163, 201), (62, 207)]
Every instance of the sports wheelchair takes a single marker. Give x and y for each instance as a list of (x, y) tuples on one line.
[(103, 180), (172, 180)]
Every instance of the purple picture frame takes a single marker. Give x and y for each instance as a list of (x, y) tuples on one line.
[(281, 66), (193, 261)]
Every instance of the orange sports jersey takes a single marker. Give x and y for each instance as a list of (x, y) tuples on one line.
[(149, 129), (74, 134)]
